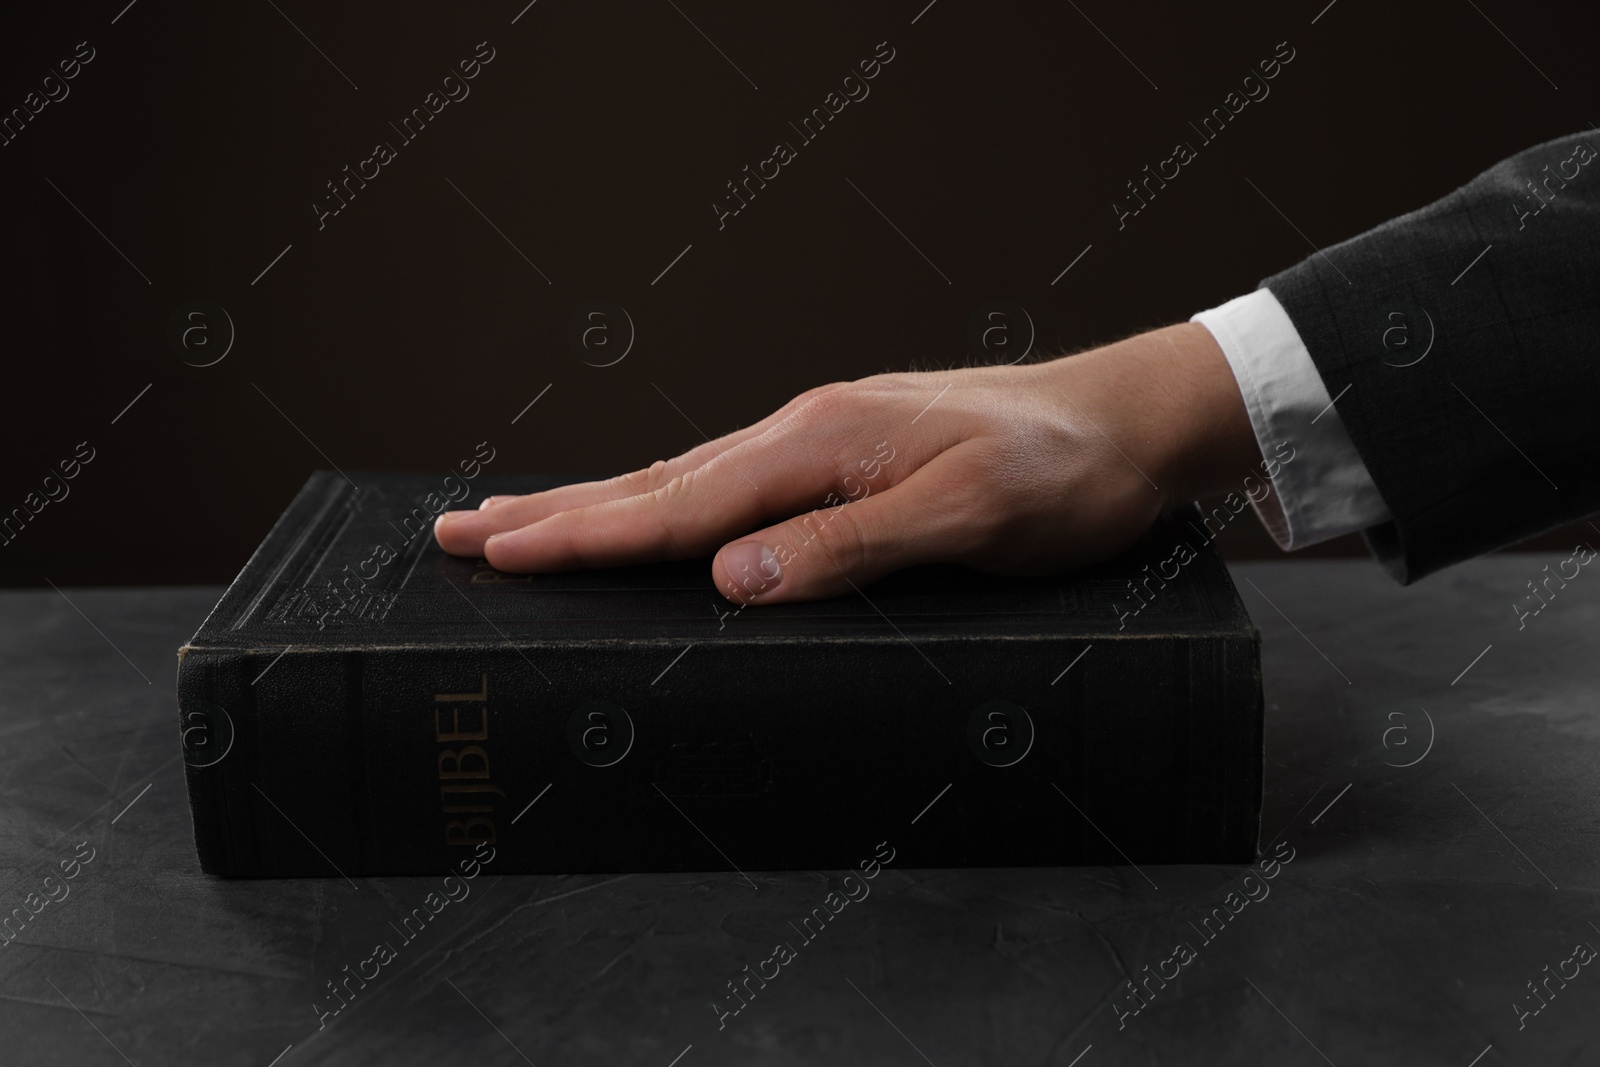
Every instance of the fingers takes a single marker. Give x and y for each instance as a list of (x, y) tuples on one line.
[(464, 533), (932, 515), (694, 513)]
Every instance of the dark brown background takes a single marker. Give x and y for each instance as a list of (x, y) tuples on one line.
[(408, 330)]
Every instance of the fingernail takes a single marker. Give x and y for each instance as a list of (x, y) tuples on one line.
[(490, 501), (446, 517), (752, 566)]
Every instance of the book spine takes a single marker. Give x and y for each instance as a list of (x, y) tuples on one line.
[(723, 754)]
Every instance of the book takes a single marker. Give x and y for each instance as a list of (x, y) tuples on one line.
[(361, 703)]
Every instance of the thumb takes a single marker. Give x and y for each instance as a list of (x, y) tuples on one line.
[(834, 550)]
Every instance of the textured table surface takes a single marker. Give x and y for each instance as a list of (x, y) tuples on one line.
[(1430, 765)]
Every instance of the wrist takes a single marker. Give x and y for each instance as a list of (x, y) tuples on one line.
[(1168, 400), (1210, 445)]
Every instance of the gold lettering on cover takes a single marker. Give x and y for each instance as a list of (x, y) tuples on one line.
[(455, 732), (455, 756), (465, 762), (457, 808)]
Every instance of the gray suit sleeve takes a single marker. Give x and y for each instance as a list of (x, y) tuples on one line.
[(1460, 342)]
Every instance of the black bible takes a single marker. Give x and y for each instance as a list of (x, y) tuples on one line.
[(361, 703)]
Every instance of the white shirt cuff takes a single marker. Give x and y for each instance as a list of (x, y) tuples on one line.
[(1323, 489)]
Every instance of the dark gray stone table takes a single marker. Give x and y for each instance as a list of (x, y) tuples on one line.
[(1420, 902)]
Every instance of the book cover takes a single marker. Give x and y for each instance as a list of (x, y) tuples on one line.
[(361, 703)]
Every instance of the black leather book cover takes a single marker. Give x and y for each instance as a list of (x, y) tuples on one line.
[(361, 703)]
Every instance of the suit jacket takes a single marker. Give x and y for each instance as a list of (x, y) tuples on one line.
[(1461, 343)]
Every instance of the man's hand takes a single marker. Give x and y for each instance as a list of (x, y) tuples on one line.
[(1014, 470)]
